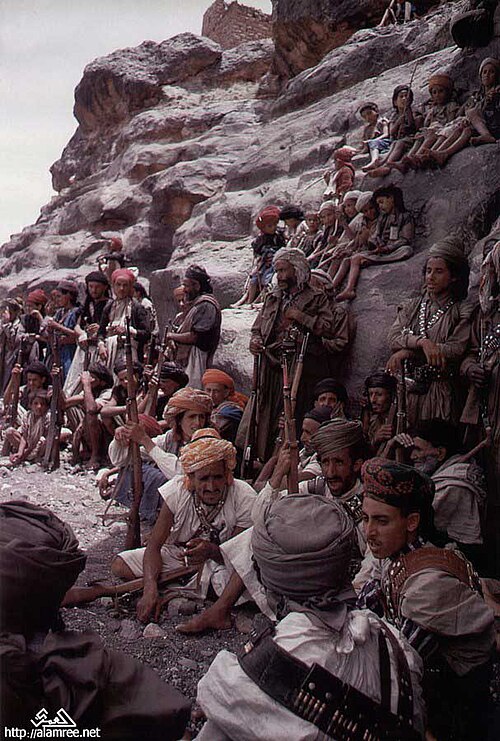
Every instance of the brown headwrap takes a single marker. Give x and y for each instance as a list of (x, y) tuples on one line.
[(123, 273), (214, 375), (335, 435), (187, 399), (449, 249), (207, 447)]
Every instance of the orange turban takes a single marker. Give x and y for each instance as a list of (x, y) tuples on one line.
[(150, 425), (123, 273), (188, 399), (443, 80), (344, 154), (38, 296), (207, 447), (214, 375)]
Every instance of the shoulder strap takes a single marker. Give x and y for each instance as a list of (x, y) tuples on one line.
[(439, 559)]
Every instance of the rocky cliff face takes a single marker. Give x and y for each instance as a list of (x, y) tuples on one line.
[(176, 151)]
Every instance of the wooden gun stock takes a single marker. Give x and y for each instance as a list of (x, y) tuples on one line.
[(51, 459), (133, 537)]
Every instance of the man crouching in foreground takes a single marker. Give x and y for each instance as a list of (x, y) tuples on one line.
[(325, 667)]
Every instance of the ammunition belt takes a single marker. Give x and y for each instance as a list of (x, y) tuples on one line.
[(315, 695)]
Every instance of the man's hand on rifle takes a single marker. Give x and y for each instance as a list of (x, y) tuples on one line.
[(86, 378), (122, 436), (403, 440), (199, 550), (149, 606), (282, 468), (395, 362), (477, 375), (384, 433), (17, 371), (256, 345), (138, 435), (103, 353), (116, 329)]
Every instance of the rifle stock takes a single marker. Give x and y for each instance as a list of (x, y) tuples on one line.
[(248, 461), (133, 537), (14, 405), (51, 458), (401, 414), (288, 351)]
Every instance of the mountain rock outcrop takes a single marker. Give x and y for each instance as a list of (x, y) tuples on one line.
[(176, 151)]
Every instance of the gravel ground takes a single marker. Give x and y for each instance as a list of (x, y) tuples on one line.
[(73, 497)]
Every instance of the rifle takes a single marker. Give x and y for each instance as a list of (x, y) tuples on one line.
[(3, 343), (401, 414), (84, 595), (298, 370), (248, 461), (133, 537), (155, 381), (15, 392), (51, 457), (287, 355)]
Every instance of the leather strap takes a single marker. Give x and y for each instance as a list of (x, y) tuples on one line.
[(314, 694)]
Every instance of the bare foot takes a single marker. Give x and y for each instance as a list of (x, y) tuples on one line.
[(401, 166), (346, 296), (482, 139), (213, 618), (439, 157), (411, 161), (380, 172), (371, 165)]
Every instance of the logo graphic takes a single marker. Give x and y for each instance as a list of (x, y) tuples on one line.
[(61, 720)]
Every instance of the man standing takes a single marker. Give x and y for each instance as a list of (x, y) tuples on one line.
[(324, 670), (197, 338), (293, 304), (432, 595)]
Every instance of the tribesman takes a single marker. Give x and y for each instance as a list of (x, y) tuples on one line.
[(292, 304), (197, 337), (431, 334), (325, 670), (42, 663), (37, 378), (482, 368), (380, 394), (431, 595), (202, 509), (343, 329), (340, 451), (11, 334), (112, 327), (63, 323), (86, 328), (187, 411), (459, 482)]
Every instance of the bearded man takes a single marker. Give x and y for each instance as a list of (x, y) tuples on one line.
[(201, 510), (198, 335), (340, 451), (293, 304)]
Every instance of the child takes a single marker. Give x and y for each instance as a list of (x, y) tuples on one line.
[(442, 109), (391, 242), (403, 125), (306, 240), (293, 216), (375, 128), (269, 241), (481, 114), (343, 176), (34, 430)]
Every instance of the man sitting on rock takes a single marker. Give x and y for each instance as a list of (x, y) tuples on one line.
[(460, 484), (340, 450), (45, 666), (197, 337), (201, 510), (431, 595), (324, 668)]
